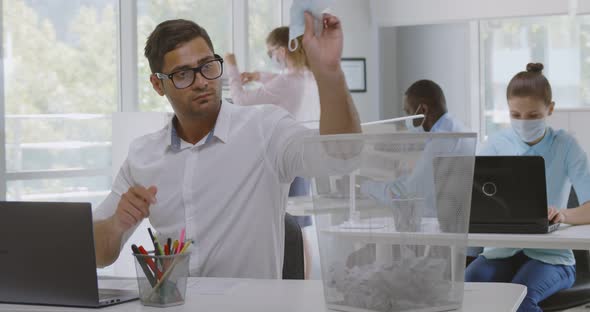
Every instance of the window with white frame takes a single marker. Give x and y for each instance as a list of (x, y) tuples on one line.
[(561, 43), (60, 88), (217, 17), (61, 79), (60, 85), (263, 17)]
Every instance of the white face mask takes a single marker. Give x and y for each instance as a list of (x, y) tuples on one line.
[(411, 128), (529, 130), (410, 124), (277, 64), (297, 13)]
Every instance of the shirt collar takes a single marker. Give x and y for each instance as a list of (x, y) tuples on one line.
[(220, 130), (173, 135), (223, 123), (439, 123)]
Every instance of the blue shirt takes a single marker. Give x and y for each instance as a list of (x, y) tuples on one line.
[(420, 183), (447, 123), (565, 164)]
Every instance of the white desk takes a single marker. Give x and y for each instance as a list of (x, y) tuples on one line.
[(245, 295), (566, 237)]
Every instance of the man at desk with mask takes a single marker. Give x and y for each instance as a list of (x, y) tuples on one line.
[(423, 97)]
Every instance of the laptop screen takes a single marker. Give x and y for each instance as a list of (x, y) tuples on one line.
[(47, 253), (509, 190)]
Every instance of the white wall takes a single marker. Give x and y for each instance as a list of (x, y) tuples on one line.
[(419, 12), (360, 40), (391, 105), (575, 121), (440, 53)]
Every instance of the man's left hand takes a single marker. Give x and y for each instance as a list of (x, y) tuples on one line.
[(325, 49)]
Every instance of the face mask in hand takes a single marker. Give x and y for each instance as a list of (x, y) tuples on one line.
[(297, 13), (529, 130)]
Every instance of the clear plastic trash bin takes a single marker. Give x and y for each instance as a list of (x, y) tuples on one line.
[(392, 214)]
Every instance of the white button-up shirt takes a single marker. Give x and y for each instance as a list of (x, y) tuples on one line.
[(229, 190)]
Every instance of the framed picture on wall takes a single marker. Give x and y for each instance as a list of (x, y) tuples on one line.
[(355, 72)]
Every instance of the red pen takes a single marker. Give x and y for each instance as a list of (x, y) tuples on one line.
[(166, 250), (150, 262), (181, 240)]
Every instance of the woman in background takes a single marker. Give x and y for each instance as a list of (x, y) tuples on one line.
[(543, 271), (292, 88)]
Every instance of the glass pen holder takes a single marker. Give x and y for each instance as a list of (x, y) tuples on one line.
[(162, 279)]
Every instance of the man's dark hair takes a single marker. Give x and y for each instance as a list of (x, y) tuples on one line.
[(168, 36), (427, 92)]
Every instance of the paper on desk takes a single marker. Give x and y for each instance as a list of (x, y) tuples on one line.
[(213, 286)]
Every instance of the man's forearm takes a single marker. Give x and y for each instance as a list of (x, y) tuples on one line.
[(338, 113), (107, 241)]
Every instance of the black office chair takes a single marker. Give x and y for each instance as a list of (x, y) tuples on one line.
[(293, 262), (579, 294)]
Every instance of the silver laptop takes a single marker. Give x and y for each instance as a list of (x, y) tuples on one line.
[(47, 256)]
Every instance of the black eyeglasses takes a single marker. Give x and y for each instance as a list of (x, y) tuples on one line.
[(182, 79)]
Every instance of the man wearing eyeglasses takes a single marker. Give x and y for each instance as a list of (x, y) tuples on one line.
[(220, 171)]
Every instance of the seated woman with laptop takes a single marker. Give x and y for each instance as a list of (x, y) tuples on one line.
[(543, 271)]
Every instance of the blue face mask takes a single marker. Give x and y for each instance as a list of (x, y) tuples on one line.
[(297, 13)]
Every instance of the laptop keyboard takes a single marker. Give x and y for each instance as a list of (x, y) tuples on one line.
[(553, 227), (105, 296)]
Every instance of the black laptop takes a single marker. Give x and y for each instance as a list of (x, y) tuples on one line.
[(47, 256), (509, 196)]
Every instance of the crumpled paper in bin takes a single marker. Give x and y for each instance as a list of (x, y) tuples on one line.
[(410, 283)]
